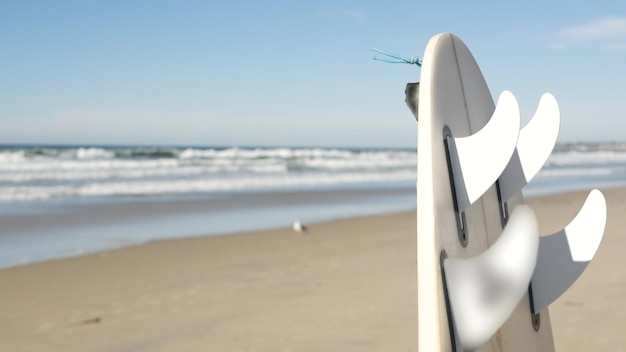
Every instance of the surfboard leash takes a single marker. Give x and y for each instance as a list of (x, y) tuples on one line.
[(398, 59), (411, 91)]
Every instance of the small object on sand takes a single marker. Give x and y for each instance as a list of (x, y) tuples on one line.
[(96, 320), (298, 226)]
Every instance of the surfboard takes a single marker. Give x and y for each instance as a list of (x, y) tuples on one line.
[(463, 220)]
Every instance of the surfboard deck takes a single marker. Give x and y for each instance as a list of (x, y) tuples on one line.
[(453, 93)]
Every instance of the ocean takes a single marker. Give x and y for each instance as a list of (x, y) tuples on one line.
[(58, 201)]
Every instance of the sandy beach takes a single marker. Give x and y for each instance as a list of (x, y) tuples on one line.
[(346, 285)]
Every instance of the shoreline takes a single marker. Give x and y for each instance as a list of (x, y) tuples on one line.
[(94, 227), (77, 229), (347, 284)]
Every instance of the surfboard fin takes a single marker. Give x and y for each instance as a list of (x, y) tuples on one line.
[(534, 146), (563, 256), (483, 291), (411, 97), (478, 160)]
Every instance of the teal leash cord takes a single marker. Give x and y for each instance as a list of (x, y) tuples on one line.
[(398, 59)]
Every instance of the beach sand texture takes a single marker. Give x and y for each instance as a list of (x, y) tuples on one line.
[(346, 285)]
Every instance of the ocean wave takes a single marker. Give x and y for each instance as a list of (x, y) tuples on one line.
[(159, 187), (147, 154), (583, 171), (48, 172), (610, 146), (93, 153), (259, 153), (228, 160), (587, 157), (87, 164), (360, 163), (12, 157)]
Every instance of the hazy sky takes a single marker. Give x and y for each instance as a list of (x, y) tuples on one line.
[(290, 72)]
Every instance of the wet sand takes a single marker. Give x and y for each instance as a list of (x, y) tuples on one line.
[(345, 285)]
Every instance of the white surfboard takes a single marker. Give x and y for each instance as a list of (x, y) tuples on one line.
[(456, 106)]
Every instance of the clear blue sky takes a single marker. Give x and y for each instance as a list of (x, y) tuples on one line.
[(290, 72)]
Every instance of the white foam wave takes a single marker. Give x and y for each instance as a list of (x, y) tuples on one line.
[(89, 170), (587, 157), (582, 171), (361, 163), (88, 164), (43, 173), (27, 193), (78, 175), (94, 153), (283, 153), (12, 157), (99, 163)]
